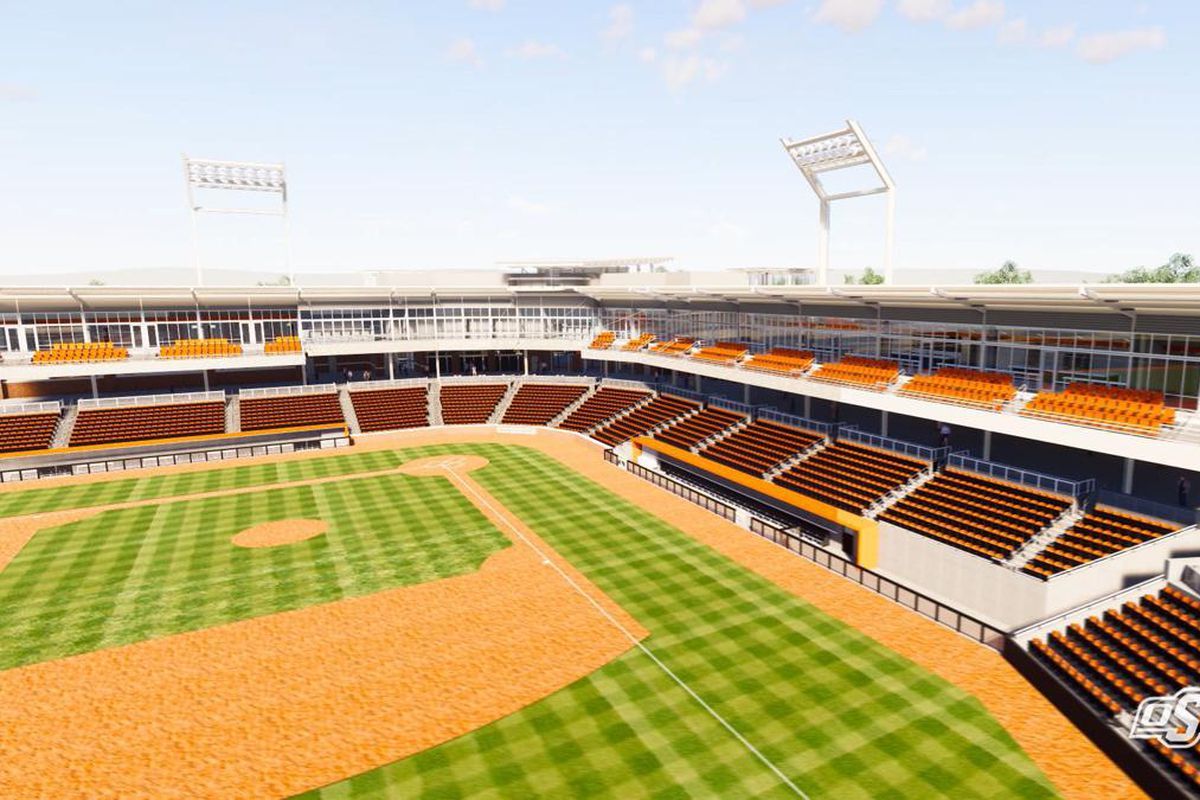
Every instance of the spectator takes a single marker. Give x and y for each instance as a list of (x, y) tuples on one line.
[(1182, 489), (367, 374), (943, 435), (348, 374)]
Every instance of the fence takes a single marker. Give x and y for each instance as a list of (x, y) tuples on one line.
[(1038, 480), (1180, 514), (398, 383), (611, 457), (151, 400), (686, 492), (621, 383), (932, 454), (828, 429), (288, 391), (732, 405), (939, 612), (687, 394), (46, 407)]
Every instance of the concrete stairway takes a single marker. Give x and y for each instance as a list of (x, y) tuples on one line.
[(233, 414), (66, 424), (1028, 551), (566, 412), (435, 403), (505, 402), (348, 410)]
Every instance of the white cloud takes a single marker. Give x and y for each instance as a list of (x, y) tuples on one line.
[(532, 50), (900, 146), (464, 52), (1057, 37), (766, 3), (683, 39), (1014, 31), (620, 22), (979, 14), (529, 208), (924, 10), (679, 72), (732, 43), (647, 55), (728, 231), (487, 5), (16, 93), (713, 14), (849, 15), (1101, 48)]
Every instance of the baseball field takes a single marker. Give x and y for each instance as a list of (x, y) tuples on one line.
[(460, 619)]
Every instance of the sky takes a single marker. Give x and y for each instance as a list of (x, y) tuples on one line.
[(462, 133)]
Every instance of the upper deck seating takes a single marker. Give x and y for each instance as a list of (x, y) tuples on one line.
[(849, 475), (283, 344), (538, 403), (637, 343), (1134, 410), (200, 348), (1103, 531), (136, 423), (870, 373), (974, 387), (676, 347), (388, 409), (661, 409), (981, 515), (760, 446), (781, 360), (603, 341), (470, 403), (721, 352), (606, 403), (77, 352), (692, 430), (1117, 658), (19, 432), (287, 411)]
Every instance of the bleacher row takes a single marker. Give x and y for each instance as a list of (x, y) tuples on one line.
[(1119, 657), (389, 409), (850, 475), (539, 403), (1102, 532)]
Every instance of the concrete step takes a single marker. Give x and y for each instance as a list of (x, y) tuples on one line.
[(348, 410), (66, 424)]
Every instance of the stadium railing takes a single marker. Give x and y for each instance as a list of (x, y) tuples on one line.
[(852, 434), (1149, 508), (827, 429), (150, 400), (686, 492), (1038, 480)]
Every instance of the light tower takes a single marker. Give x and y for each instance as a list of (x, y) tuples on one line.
[(245, 176), (841, 150)]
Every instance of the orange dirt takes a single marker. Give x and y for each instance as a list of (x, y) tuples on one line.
[(279, 532)]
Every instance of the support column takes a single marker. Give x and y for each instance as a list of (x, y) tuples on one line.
[(204, 374), (987, 445), (526, 362), (746, 393), (391, 359), (695, 383), (437, 365), (1127, 479), (95, 391), (807, 406), (883, 423)]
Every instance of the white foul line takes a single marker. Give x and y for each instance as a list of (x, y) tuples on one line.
[(466, 486)]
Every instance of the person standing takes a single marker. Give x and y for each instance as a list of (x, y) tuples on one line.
[(943, 434), (1182, 489)]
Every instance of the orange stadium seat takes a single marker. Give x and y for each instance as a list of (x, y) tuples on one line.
[(79, 352), (1131, 410), (760, 446), (290, 410), (692, 430), (972, 387), (662, 409), (389, 409), (603, 341), (283, 344), (722, 352), (200, 348), (602, 406), (781, 360), (19, 432), (538, 403), (135, 423), (638, 342), (868, 373), (470, 403), (850, 475)]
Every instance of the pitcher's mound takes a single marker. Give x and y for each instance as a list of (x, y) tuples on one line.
[(284, 531)]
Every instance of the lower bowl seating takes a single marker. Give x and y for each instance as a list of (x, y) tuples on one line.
[(20, 432), (390, 409), (470, 403), (288, 411), (137, 423), (538, 403)]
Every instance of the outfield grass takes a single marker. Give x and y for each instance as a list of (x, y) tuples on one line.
[(839, 714), (132, 574)]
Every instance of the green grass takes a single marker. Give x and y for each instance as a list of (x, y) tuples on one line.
[(132, 574)]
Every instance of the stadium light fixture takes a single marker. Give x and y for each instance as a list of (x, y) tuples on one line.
[(837, 150), (246, 176)]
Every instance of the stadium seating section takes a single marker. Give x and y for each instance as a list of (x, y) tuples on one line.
[(676, 347), (869, 373), (981, 515), (638, 342), (77, 352), (200, 348), (290, 410), (385, 409), (470, 404), (1102, 532), (136, 423), (781, 360), (603, 341), (849, 475), (1105, 406), (606, 403), (1116, 659), (643, 419), (283, 344), (19, 432), (760, 446), (538, 403), (973, 387), (721, 352), (692, 430)]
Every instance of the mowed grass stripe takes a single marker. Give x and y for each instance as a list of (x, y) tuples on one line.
[(135, 573), (841, 715)]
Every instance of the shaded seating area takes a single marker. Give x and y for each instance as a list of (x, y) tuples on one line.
[(760, 446), (135, 423), (19, 432), (470, 403), (781, 360), (603, 341), (389, 409), (1133, 410), (283, 344), (866, 373), (80, 352), (604, 404), (1102, 532), (722, 352), (200, 348), (643, 419), (538, 403), (959, 384), (287, 411), (696, 428), (849, 475), (1115, 659), (981, 515)]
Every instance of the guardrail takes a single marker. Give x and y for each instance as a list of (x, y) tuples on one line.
[(611, 457), (828, 429), (1179, 514), (732, 405), (44, 407), (288, 391), (683, 490), (687, 394), (1038, 480), (567, 380), (397, 383), (445, 379), (150, 400), (622, 383), (932, 454)]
